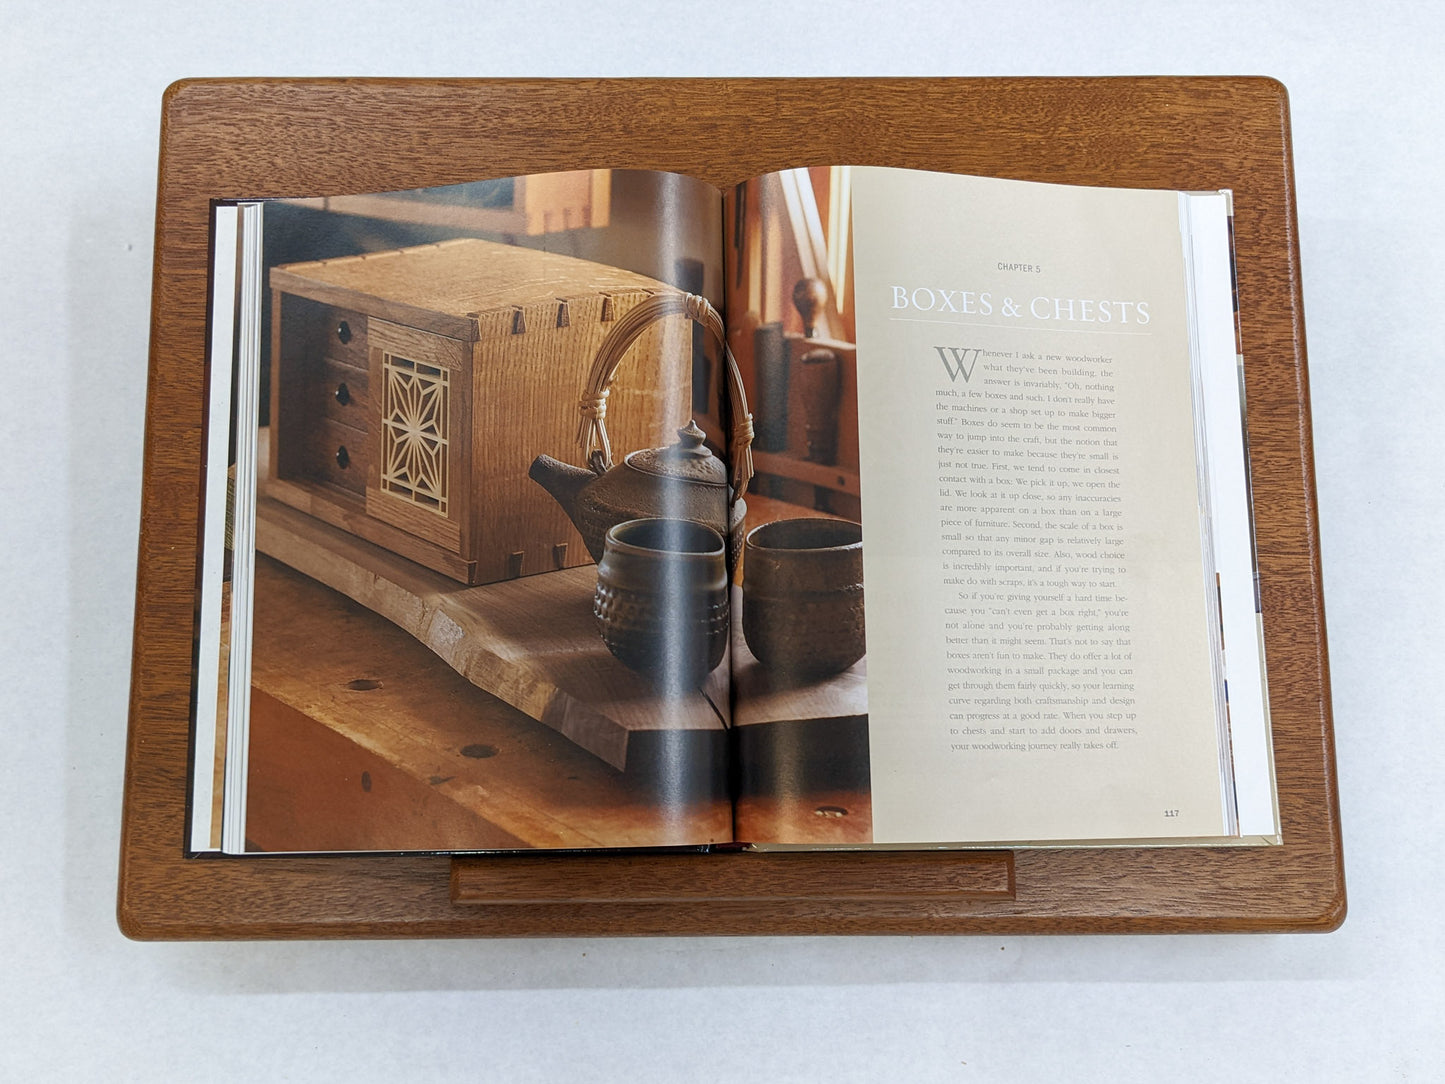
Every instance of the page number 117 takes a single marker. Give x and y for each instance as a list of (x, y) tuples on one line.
[(1171, 812)]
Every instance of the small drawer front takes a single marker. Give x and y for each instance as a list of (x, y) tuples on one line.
[(329, 331), (336, 454), (341, 393)]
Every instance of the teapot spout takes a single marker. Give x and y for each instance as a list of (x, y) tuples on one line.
[(564, 481)]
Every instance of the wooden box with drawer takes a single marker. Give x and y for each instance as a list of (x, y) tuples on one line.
[(411, 390)]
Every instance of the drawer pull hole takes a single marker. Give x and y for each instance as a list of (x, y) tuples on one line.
[(343, 331), (343, 393), (343, 458)]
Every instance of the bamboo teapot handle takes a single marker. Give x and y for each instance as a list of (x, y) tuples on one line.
[(592, 433)]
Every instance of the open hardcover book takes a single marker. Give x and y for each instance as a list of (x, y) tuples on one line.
[(541, 513)]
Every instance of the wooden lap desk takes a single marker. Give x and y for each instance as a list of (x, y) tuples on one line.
[(239, 138)]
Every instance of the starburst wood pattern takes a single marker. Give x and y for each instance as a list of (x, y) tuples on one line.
[(414, 432)]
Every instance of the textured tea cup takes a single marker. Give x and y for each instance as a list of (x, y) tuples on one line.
[(662, 599), (803, 595)]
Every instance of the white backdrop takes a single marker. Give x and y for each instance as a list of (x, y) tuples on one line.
[(80, 89)]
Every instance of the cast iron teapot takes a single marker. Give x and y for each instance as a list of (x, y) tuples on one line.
[(682, 481)]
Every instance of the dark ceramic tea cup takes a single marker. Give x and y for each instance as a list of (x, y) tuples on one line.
[(662, 599), (803, 595)]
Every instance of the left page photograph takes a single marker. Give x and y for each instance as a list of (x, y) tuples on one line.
[(464, 560)]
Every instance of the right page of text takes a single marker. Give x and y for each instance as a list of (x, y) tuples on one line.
[(1039, 665)]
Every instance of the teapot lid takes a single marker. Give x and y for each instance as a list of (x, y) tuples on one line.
[(688, 460)]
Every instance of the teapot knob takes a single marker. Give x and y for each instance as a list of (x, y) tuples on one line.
[(690, 439)]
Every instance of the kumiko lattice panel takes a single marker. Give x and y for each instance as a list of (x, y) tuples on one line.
[(412, 389), (414, 432), (418, 478)]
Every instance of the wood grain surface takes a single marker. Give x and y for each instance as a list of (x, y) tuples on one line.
[(362, 740), (464, 288), (238, 138), (684, 878)]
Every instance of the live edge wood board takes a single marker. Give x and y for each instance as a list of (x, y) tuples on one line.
[(237, 138)]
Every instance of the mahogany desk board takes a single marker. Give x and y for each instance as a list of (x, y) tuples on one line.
[(256, 138)]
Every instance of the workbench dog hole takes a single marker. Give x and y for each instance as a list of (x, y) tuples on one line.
[(479, 752), (363, 685)]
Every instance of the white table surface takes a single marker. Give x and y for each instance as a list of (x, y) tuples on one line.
[(80, 89)]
